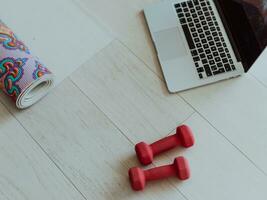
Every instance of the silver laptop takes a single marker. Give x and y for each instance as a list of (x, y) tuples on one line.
[(199, 42)]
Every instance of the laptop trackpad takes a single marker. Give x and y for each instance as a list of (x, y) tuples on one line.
[(169, 44)]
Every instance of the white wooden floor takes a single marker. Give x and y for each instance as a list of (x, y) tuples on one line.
[(78, 142)]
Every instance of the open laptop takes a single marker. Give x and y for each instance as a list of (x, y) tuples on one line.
[(204, 41)]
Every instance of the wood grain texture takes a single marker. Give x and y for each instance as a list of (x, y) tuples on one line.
[(86, 146), (133, 97), (25, 170), (238, 109), (125, 19), (218, 165), (259, 69), (78, 142), (219, 171), (58, 32)]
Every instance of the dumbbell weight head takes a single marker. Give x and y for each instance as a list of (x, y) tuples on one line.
[(185, 136), (146, 152), (182, 168), (139, 177)]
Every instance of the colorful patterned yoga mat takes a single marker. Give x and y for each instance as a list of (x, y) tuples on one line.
[(22, 76)]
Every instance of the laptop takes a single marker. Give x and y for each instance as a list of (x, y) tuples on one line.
[(199, 42)]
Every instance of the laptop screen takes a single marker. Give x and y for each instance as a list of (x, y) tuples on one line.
[(246, 23)]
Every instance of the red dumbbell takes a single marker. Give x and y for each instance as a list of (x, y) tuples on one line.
[(183, 137), (139, 177)]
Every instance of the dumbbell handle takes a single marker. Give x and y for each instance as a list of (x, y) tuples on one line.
[(160, 172), (165, 144)]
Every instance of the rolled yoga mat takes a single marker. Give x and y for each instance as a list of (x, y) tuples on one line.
[(22, 76)]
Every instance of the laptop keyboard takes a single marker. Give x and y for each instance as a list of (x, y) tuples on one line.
[(206, 42)]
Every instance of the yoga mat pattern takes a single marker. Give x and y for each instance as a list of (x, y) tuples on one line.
[(22, 76)]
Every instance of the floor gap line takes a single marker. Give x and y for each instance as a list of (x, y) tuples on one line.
[(47, 155)]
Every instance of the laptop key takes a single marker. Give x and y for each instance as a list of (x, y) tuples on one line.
[(193, 29), (225, 60), (190, 4), (200, 50), (233, 67), (217, 72), (204, 61), (182, 20), (180, 15), (194, 52), (201, 35), (196, 58), (217, 59), (196, 2), (211, 62), (200, 69), (214, 68), (202, 55), (223, 55), (207, 51), (209, 57), (204, 41), (209, 38), (222, 70), (207, 70), (220, 49), (227, 67), (219, 65), (197, 40)]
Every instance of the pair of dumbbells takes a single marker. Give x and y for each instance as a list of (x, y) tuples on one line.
[(146, 153)]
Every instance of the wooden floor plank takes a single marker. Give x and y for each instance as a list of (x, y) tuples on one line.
[(259, 70), (25, 171), (218, 170), (238, 109), (86, 146), (125, 19), (218, 165), (87, 126), (59, 32), (133, 97)]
